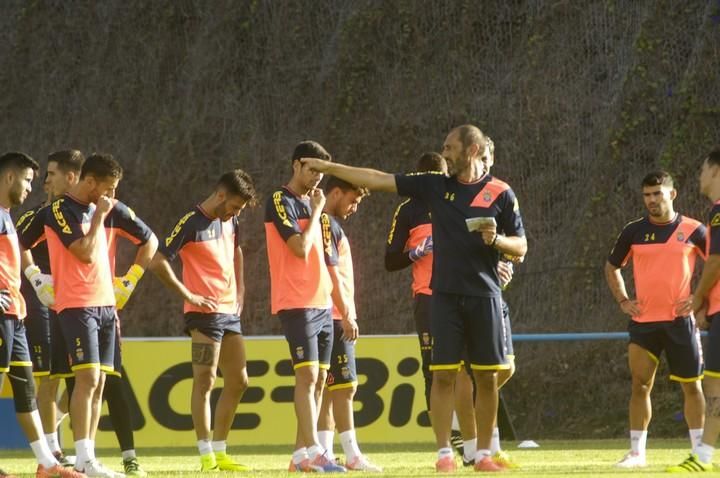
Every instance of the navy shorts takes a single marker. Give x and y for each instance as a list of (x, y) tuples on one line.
[(343, 372), (13, 344), (309, 333), (680, 340), (712, 351), (89, 336), (37, 331), (214, 326), (460, 321), (59, 359)]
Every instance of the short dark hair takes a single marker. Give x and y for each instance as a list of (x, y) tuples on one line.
[(68, 160), (17, 160), (713, 157), (470, 134), (335, 182), (101, 166), (310, 149), (430, 162), (658, 178), (239, 183)]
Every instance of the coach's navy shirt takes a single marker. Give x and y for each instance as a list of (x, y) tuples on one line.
[(462, 263)]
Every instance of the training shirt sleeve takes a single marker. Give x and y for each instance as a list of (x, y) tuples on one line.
[(419, 185), (284, 216), (181, 234), (129, 225), (64, 222), (395, 255), (621, 251), (31, 228), (510, 221), (331, 240)]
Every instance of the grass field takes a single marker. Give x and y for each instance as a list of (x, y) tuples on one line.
[(553, 458)]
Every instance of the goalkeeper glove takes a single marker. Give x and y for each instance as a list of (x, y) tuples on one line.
[(422, 249), (125, 285), (43, 285), (5, 301)]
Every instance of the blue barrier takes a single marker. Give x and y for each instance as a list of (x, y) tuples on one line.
[(573, 336)]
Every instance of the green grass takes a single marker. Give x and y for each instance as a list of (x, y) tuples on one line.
[(553, 458)]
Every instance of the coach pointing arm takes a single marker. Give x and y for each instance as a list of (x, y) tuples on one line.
[(364, 177)]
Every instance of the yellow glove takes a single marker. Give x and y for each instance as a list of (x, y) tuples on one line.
[(125, 285), (43, 285)]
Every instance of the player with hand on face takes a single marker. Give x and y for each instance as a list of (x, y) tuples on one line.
[(300, 295)]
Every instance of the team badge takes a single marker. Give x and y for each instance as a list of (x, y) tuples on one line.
[(487, 196), (79, 354), (300, 353), (345, 373), (426, 338), (680, 236)]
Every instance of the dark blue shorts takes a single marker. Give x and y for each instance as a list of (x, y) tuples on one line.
[(214, 326), (343, 372), (59, 359), (460, 321), (37, 331), (89, 336), (680, 340), (309, 333), (712, 351), (13, 344)]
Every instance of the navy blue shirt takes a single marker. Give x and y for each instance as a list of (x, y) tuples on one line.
[(462, 263)]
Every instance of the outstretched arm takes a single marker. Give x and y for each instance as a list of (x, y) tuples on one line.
[(364, 177)]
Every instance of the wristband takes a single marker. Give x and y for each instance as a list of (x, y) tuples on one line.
[(623, 301), (492, 244)]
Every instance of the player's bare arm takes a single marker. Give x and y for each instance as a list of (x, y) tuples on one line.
[(344, 305), (239, 279), (146, 252), (300, 244), (161, 268), (365, 177), (617, 288), (85, 249)]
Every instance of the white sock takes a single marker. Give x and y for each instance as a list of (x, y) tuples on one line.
[(638, 441), (52, 442), (469, 448), (480, 454), (299, 455), (91, 449), (219, 446), (455, 423), (443, 452), (314, 451), (204, 447), (326, 438), (350, 445), (82, 450), (695, 437), (129, 454), (43, 454), (495, 441), (705, 453)]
